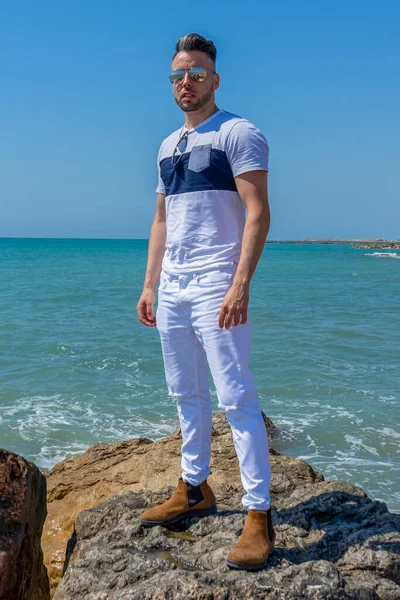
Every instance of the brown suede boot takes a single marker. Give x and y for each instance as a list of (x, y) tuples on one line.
[(187, 501), (252, 549)]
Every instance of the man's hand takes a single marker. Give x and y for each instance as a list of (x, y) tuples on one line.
[(145, 307), (235, 305), (158, 232)]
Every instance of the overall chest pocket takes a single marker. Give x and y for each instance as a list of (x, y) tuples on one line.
[(200, 157)]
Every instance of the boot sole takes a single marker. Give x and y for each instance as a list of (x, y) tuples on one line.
[(201, 512), (245, 566), (249, 567)]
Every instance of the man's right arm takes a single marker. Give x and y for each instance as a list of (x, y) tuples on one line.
[(158, 235)]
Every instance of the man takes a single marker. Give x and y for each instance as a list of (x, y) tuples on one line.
[(211, 171)]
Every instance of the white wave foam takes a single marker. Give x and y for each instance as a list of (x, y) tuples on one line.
[(51, 455), (365, 392), (351, 458), (345, 413), (383, 254), (359, 442), (26, 403), (387, 399), (390, 432), (312, 442)]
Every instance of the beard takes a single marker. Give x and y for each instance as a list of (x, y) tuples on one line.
[(201, 102)]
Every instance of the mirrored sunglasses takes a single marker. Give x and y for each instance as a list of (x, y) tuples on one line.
[(197, 74)]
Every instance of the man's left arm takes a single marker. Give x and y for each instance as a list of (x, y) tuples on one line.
[(252, 188)]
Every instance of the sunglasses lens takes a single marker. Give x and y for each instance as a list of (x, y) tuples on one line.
[(176, 76), (198, 75)]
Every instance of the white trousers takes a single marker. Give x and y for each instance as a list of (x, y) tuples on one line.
[(187, 321)]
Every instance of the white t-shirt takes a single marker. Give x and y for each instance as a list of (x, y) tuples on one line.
[(205, 215)]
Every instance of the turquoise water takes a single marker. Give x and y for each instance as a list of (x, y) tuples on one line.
[(77, 367)]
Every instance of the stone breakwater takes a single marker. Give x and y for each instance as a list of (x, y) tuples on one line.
[(379, 245), (356, 242), (333, 542)]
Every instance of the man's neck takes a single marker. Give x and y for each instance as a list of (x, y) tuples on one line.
[(193, 119)]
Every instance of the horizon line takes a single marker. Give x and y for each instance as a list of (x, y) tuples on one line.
[(268, 241)]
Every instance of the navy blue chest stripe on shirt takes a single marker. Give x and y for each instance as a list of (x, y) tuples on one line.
[(181, 180)]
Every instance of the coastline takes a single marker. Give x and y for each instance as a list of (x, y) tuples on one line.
[(88, 533), (359, 243)]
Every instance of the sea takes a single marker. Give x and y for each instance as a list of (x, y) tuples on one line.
[(78, 368)]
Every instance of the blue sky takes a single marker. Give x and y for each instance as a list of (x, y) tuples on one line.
[(85, 102)]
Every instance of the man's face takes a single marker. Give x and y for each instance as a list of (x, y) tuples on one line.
[(191, 95)]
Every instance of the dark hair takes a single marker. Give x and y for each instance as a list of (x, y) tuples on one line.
[(194, 41)]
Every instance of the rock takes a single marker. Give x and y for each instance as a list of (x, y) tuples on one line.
[(380, 245), (332, 543), (23, 575), (106, 470)]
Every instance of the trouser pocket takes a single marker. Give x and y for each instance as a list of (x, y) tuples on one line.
[(215, 278)]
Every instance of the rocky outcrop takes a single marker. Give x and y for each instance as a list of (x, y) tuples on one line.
[(332, 543), (23, 575), (332, 540), (380, 245), (356, 242), (106, 470)]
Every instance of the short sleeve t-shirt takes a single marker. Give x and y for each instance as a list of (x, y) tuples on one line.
[(196, 171)]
